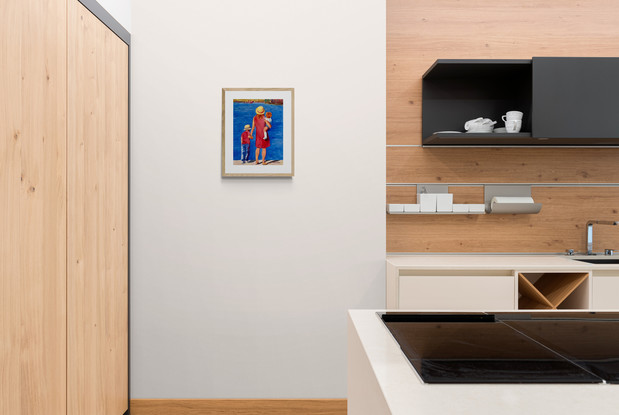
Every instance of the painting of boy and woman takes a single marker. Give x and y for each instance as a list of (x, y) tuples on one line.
[(258, 131)]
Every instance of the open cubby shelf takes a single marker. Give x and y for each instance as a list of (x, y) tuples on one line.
[(550, 290)]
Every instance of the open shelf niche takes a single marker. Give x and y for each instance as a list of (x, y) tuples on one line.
[(458, 90), (553, 290)]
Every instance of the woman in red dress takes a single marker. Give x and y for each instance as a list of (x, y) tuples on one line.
[(258, 123)]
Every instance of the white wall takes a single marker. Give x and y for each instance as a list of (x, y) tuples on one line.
[(120, 10), (239, 287)]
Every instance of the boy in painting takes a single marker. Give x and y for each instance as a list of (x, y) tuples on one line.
[(267, 124), (245, 137)]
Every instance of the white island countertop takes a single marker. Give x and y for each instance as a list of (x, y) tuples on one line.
[(382, 381)]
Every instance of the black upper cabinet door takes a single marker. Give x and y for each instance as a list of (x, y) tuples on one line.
[(576, 98)]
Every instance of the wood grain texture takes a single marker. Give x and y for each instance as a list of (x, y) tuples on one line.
[(97, 205), (556, 287), (531, 298), (32, 207), (421, 31), (501, 165), (559, 226), (238, 406)]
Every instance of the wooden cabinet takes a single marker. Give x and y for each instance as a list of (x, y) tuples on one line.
[(33, 101), (499, 283), (97, 203), (63, 211)]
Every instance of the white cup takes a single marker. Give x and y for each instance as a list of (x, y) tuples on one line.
[(512, 115), (513, 126)]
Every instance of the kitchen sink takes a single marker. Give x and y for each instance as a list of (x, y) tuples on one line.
[(600, 260)]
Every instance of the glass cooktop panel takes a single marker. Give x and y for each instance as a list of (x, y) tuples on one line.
[(508, 348)]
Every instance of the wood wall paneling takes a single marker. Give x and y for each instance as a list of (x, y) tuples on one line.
[(98, 217), (421, 31), (502, 165), (238, 406), (559, 226), (32, 207)]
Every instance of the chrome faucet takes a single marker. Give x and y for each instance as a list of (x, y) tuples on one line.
[(590, 232)]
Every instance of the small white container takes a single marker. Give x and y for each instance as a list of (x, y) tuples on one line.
[(477, 208), (427, 202), (460, 208), (395, 208), (444, 202), (411, 208)]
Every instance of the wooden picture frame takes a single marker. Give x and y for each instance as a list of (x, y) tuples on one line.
[(257, 132)]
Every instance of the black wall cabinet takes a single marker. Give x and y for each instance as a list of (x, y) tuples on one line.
[(565, 101)]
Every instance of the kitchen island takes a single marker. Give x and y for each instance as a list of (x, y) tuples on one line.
[(381, 380)]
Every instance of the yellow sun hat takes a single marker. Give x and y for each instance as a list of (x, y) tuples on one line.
[(260, 110), (247, 127)]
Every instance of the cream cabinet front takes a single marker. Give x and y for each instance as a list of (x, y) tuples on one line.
[(605, 290), (442, 291), (499, 283)]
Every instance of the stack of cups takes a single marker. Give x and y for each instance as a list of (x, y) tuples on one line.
[(513, 121)]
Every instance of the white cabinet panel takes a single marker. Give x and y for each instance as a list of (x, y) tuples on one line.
[(605, 295), (456, 292)]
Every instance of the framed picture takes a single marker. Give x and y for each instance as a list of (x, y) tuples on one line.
[(257, 132)]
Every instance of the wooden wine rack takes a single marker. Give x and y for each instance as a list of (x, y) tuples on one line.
[(550, 290)]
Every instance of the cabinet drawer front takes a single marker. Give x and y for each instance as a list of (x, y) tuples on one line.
[(605, 295), (456, 293)]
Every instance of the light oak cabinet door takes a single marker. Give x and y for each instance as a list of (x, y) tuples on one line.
[(97, 208), (32, 207), (63, 211)]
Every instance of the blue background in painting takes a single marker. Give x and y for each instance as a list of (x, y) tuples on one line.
[(244, 114)]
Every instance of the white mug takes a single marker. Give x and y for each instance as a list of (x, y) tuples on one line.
[(512, 115), (513, 126)]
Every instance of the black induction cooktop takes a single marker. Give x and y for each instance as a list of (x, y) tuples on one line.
[(537, 347)]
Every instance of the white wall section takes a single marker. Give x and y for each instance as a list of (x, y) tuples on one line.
[(239, 287), (120, 10)]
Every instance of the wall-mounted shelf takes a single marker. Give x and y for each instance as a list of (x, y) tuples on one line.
[(402, 209), (437, 213), (435, 199), (565, 101), (480, 139)]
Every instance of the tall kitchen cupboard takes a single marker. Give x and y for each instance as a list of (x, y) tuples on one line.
[(63, 211)]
